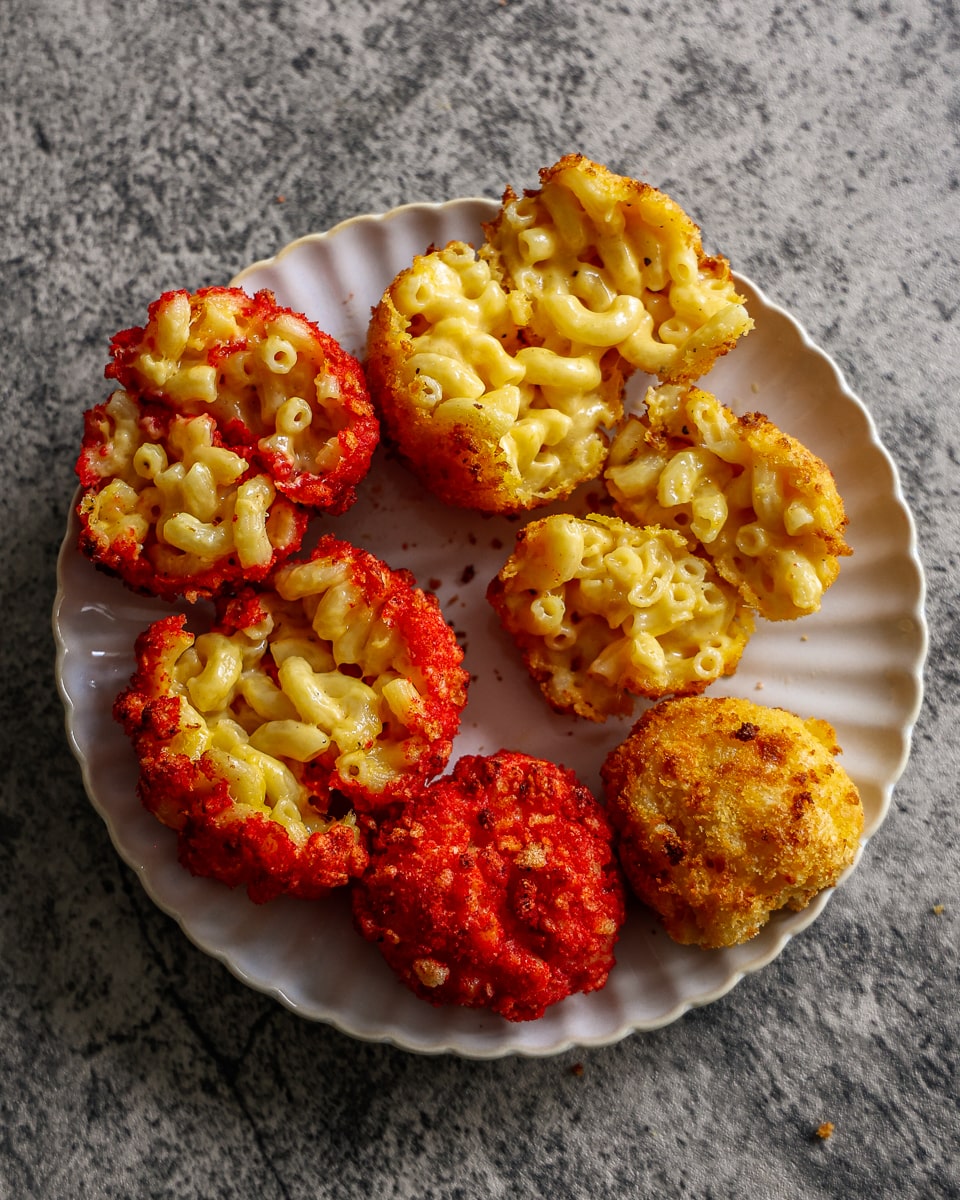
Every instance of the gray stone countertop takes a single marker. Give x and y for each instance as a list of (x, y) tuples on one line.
[(154, 145)]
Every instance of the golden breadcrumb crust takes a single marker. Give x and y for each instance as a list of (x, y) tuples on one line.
[(728, 811)]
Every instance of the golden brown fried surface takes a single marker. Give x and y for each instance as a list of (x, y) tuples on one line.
[(758, 502), (498, 369), (728, 811)]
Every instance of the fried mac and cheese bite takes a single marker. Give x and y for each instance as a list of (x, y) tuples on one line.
[(498, 370), (235, 419), (496, 888), (341, 685), (728, 811), (278, 387), (603, 611), (173, 512), (760, 504)]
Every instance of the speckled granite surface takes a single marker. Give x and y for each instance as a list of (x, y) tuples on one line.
[(146, 145)]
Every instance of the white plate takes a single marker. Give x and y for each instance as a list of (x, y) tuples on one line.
[(857, 663)]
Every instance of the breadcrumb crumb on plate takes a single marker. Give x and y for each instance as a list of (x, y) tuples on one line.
[(860, 670)]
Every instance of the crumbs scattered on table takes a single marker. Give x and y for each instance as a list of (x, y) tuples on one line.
[(825, 1130), (937, 910), (758, 686), (434, 584), (577, 1069), (468, 573)]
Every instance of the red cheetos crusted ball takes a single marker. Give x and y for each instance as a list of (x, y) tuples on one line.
[(338, 688), (235, 420), (496, 888)]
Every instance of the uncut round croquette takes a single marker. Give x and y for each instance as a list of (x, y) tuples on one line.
[(728, 811), (496, 888)]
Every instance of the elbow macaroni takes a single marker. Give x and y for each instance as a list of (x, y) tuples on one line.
[(176, 503), (611, 262), (759, 503), (342, 678), (603, 611), (270, 379), (499, 372)]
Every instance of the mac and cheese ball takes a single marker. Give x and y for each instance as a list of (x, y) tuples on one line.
[(727, 812), (486, 414), (603, 611), (280, 389), (339, 687), (496, 888), (172, 511), (760, 504), (233, 781), (498, 370)]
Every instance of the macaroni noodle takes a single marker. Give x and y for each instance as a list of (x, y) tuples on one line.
[(172, 511), (272, 381)]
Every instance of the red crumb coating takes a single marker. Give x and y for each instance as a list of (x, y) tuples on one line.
[(324, 471), (217, 837), (496, 888)]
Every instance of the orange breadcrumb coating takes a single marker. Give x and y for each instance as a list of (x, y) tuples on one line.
[(496, 888), (728, 811), (219, 837), (255, 737)]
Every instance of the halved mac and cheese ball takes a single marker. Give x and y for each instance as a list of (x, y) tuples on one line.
[(173, 512), (485, 414), (279, 388), (609, 262), (341, 685), (760, 504), (233, 784), (498, 370), (603, 611), (497, 887), (727, 812)]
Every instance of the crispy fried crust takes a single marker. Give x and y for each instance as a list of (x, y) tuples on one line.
[(496, 888), (728, 811), (344, 687)]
